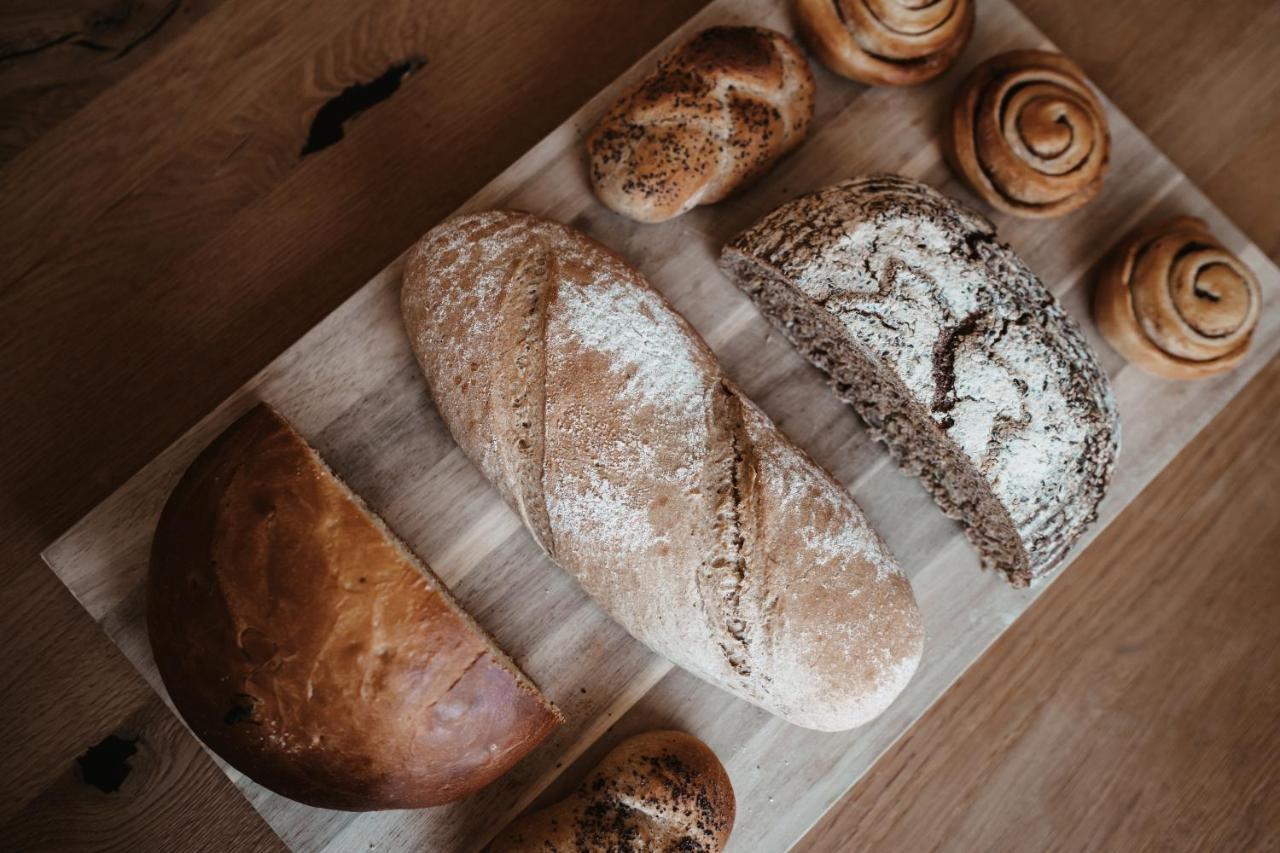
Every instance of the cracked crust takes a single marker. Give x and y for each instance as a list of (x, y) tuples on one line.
[(732, 480), (953, 352), (311, 650), (712, 117), (672, 499), (519, 395)]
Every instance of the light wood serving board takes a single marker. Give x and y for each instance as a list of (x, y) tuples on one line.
[(352, 387)]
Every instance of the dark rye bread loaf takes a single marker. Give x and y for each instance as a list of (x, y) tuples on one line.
[(310, 649), (953, 352)]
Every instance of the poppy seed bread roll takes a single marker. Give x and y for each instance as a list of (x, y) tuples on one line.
[(712, 117), (656, 792)]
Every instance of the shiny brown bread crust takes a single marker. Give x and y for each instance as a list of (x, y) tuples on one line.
[(886, 42), (713, 116), (1176, 302), (309, 649), (1028, 135), (607, 423), (657, 792)]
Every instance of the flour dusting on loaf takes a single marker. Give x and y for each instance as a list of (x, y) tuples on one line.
[(951, 349), (634, 328), (673, 500)]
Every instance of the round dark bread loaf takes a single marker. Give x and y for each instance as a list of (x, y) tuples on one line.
[(657, 791), (952, 351), (311, 650)]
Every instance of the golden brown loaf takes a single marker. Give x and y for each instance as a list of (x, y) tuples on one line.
[(657, 792), (712, 117), (606, 422), (886, 42), (1028, 135), (1176, 302), (305, 645)]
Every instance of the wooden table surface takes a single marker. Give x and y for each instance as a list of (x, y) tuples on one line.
[(163, 237)]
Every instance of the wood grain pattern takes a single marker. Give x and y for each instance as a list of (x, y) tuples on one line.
[(1155, 727), (128, 328), (352, 387), (204, 203), (1217, 126), (1186, 758), (162, 800), (1200, 82), (56, 57)]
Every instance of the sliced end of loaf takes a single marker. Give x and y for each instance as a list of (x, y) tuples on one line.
[(437, 585), (917, 444)]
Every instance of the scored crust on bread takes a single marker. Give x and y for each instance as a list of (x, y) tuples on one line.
[(656, 792), (607, 423), (309, 648), (712, 117), (952, 351)]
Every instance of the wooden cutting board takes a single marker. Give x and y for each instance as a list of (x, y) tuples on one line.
[(352, 387)]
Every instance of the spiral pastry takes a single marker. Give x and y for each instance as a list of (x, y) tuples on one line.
[(1175, 302), (1028, 134), (887, 42)]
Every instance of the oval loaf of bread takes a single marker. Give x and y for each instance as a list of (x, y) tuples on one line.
[(952, 351), (656, 792), (605, 421), (310, 649), (711, 118)]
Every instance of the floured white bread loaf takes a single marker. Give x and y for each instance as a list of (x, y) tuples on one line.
[(952, 351), (605, 421)]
